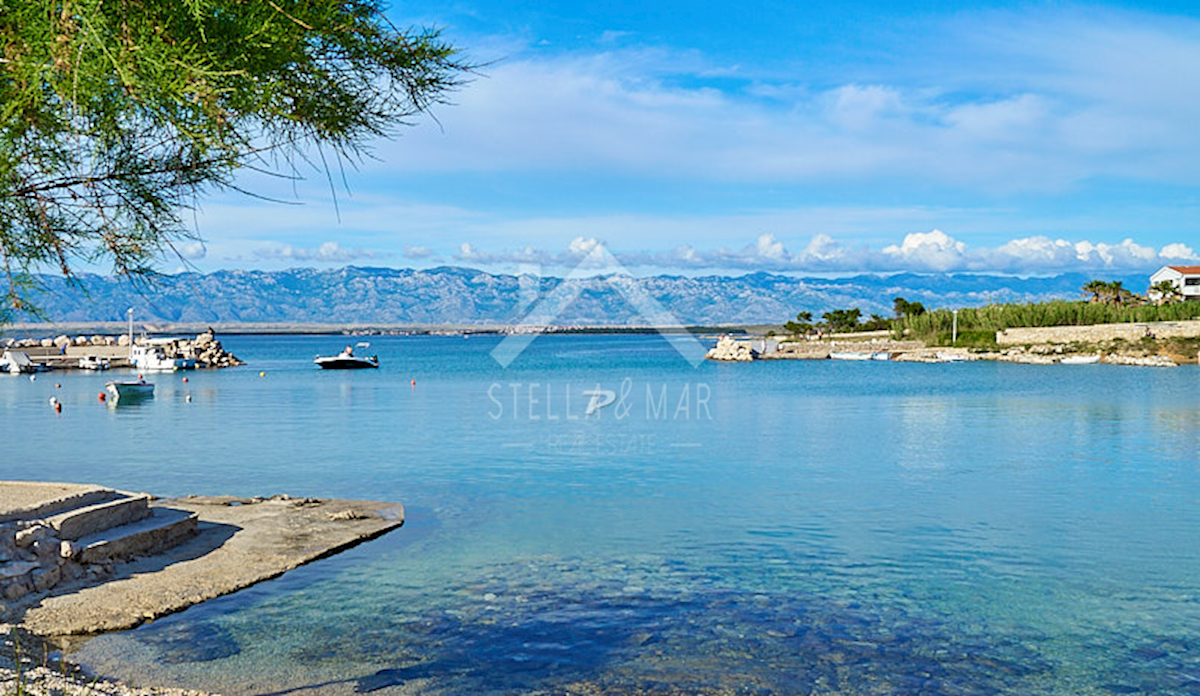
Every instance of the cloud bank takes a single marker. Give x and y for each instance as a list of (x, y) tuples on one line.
[(920, 252)]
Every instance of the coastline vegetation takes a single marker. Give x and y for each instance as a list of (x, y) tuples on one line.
[(976, 327)]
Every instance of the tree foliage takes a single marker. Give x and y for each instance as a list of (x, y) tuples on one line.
[(842, 320), (903, 308), (802, 324), (116, 114), (1109, 292)]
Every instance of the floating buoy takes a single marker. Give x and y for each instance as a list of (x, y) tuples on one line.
[(53, 400), (57, 407), (185, 380), (102, 397), (141, 377), (58, 385), (262, 374), (414, 381), (187, 398), (32, 378)]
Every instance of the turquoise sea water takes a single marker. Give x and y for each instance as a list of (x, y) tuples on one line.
[(770, 528)]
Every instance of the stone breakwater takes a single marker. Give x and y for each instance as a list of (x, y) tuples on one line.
[(65, 351)]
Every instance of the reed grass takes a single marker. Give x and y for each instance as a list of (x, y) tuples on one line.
[(993, 318)]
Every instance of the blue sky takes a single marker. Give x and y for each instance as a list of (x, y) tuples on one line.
[(805, 138)]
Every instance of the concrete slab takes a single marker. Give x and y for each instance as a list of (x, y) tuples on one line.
[(240, 542), (21, 500)]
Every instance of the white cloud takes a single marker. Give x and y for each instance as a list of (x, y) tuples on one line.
[(327, 252), (920, 252), (935, 251), (417, 252), (192, 251), (1178, 252)]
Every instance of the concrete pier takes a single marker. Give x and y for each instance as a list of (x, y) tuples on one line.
[(79, 559)]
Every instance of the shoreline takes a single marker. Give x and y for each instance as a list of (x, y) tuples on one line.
[(78, 560)]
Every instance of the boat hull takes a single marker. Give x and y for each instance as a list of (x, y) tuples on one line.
[(129, 390), (347, 363)]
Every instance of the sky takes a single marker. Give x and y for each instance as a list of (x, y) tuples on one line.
[(790, 137)]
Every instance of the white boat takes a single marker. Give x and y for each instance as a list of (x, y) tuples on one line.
[(346, 360), (844, 355), (151, 358), (92, 362), (881, 355), (17, 361), (1080, 360), (952, 357), (130, 389)]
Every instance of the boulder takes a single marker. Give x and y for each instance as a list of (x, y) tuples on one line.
[(47, 343), (63, 340)]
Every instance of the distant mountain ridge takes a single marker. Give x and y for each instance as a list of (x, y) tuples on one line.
[(452, 295)]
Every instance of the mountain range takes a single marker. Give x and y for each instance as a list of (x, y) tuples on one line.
[(452, 295)]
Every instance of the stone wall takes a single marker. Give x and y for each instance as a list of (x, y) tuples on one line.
[(1097, 333)]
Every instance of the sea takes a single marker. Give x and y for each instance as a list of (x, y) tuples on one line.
[(595, 514)]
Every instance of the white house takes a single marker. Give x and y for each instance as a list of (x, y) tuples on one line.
[(1185, 278)]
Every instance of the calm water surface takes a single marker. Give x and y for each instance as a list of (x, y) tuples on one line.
[(775, 528)]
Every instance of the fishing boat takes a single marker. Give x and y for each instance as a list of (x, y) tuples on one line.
[(151, 358), (1080, 360), (845, 355), (130, 389), (91, 362), (346, 360)]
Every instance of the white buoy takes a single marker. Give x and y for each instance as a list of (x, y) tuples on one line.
[(32, 378), (53, 400), (188, 398)]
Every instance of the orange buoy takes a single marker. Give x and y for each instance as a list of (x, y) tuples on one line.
[(58, 407), (102, 397), (58, 385), (185, 380), (414, 381)]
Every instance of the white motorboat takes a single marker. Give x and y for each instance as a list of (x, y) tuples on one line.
[(151, 358), (881, 355), (346, 360), (92, 362), (17, 361), (952, 357), (1080, 360), (845, 355), (130, 389)]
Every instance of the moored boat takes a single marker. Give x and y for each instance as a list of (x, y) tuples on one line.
[(846, 355), (130, 389), (92, 362), (1080, 360), (952, 357)]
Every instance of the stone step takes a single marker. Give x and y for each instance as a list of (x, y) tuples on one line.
[(93, 519), (164, 528), (27, 500)]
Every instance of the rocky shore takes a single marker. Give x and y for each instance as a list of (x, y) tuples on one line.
[(1146, 354)]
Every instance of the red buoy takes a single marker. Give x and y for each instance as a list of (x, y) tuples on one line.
[(102, 397)]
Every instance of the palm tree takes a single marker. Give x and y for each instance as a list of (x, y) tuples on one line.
[(1164, 292), (1098, 289)]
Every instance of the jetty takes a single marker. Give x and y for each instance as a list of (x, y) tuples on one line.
[(65, 351), (79, 559)]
